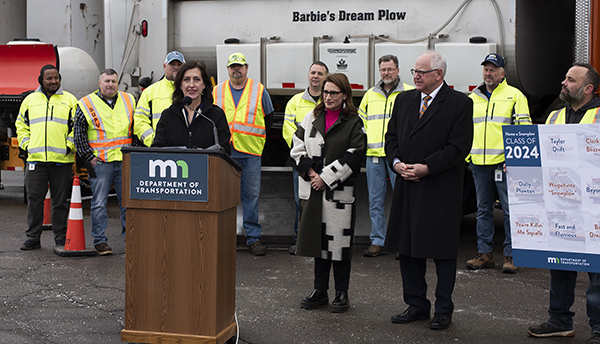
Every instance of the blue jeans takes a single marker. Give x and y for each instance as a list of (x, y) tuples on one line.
[(107, 173), (297, 200), (378, 171), (250, 192), (562, 296), (485, 188)]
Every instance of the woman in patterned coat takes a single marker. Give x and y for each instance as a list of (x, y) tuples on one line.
[(327, 151)]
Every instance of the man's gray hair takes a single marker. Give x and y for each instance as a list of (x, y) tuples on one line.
[(437, 61), (108, 71)]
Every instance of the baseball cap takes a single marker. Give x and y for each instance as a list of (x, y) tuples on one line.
[(236, 58), (174, 55), (496, 59)]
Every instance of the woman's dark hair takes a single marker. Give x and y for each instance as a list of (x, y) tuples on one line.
[(341, 81), (206, 92)]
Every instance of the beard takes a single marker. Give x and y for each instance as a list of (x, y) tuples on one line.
[(237, 75), (575, 97), (491, 83)]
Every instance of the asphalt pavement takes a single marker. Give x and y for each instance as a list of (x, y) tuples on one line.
[(49, 299)]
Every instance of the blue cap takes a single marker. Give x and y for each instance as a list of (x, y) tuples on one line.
[(496, 59), (174, 56)]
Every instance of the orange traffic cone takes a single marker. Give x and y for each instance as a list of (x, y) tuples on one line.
[(47, 224), (75, 241)]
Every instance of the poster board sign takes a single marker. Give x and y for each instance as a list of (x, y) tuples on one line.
[(553, 182)]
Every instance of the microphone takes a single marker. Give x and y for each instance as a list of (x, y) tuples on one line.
[(217, 147)]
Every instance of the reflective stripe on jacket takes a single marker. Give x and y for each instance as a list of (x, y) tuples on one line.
[(45, 126), (558, 116), (376, 110), (108, 129), (507, 106), (247, 119), (295, 111), (153, 101)]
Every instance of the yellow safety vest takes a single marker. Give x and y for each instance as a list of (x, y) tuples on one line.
[(44, 126), (153, 101), (558, 116), (108, 129), (376, 110), (295, 111), (506, 106), (247, 119)]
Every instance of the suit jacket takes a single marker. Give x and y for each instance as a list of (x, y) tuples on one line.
[(426, 215)]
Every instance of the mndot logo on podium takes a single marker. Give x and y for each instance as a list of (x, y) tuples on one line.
[(169, 177)]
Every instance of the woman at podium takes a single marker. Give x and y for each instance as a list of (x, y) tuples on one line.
[(189, 122), (327, 151)]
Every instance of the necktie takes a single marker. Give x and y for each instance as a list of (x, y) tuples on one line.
[(424, 107)]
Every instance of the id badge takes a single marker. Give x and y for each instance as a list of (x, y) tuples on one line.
[(31, 167), (498, 175)]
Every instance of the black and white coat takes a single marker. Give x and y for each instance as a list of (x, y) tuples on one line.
[(326, 221)]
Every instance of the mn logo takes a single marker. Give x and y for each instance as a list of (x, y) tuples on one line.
[(163, 165)]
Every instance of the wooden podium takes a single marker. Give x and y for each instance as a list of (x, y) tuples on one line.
[(180, 260)]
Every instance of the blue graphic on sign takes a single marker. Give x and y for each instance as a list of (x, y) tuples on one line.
[(556, 260), (168, 176), (521, 145)]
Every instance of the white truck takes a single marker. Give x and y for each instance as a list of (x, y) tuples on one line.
[(540, 39)]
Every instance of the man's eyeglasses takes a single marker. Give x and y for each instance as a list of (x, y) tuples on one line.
[(421, 72), (387, 70), (333, 94)]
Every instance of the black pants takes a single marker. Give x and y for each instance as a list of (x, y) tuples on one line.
[(37, 180), (415, 287), (341, 274)]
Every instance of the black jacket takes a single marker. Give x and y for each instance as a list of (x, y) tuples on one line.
[(426, 215), (172, 129), (573, 116)]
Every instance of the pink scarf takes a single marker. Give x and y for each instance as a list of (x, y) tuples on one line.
[(331, 117)]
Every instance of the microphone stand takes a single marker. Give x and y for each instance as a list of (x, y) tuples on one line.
[(216, 147)]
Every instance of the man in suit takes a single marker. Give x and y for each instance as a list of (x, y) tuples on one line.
[(429, 136)]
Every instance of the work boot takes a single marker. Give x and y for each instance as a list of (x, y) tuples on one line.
[(31, 244), (594, 339), (374, 251), (257, 248), (508, 266), (103, 249), (482, 261)]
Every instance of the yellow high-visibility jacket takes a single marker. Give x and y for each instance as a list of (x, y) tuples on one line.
[(506, 106), (108, 129), (45, 126), (153, 101), (247, 119), (295, 110), (376, 110), (558, 116)]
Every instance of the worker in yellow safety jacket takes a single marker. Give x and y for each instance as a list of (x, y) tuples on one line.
[(581, 107), (376, 110), (45, 134), (155, 99), (103, 126), (495, 104), (248, 108), (297, 107)]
